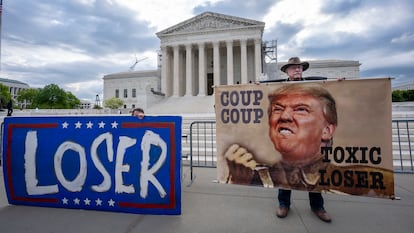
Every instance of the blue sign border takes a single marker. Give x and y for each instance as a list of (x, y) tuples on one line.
[(167, 127)]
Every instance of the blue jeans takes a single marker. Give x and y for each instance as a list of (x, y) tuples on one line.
[(315, 199)]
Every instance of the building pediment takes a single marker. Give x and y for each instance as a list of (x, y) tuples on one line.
[(210, 21)]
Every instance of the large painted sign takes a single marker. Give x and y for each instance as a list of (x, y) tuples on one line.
[(110, 163), (333, 136)]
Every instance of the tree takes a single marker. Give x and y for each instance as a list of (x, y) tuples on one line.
[(5, 96), (397, 96), (72, 101), (97, 107), (52, 96), (402, 95), (28, 96), (113, 103)]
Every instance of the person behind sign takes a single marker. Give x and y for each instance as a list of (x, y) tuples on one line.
[(302, 119), (294, 69), (138, 112)]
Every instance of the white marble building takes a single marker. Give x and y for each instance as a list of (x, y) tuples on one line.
[(209, 49), (135, 88), (15, 87), (404, 87), (203, 51), (331, 69)]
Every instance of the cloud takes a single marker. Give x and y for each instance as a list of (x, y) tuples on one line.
[(405, 38), (75, 43)]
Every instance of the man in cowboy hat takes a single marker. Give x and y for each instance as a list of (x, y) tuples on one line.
[(238, 155), (294, 68)]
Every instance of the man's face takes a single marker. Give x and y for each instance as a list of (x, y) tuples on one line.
[(294, 72), (298, 126), (139, 114)]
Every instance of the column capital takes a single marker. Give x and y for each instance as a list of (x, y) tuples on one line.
[(164, 48)]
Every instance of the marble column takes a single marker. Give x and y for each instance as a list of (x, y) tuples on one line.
[(216, 63), (243, 54), (164, 72), (257, 59), (230, 73), (176, 72), (202, 90), (188, 70)]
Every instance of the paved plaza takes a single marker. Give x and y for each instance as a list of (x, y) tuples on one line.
[(211, 207)]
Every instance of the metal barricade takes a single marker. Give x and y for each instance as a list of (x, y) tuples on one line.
[(202, 145), (402, 137)]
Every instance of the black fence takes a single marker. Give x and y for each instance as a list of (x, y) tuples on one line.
[(402, 145), (203, 146)]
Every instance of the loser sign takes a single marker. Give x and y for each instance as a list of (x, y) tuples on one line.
[(109, 163)]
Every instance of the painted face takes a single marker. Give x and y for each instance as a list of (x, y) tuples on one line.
[(298, 126), (294, 72)]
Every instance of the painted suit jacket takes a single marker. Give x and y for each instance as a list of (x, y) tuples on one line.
[(320, 176)]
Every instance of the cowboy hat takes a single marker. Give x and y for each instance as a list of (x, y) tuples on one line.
[(295, 61)]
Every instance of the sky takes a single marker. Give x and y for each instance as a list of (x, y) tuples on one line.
[(75, 43)]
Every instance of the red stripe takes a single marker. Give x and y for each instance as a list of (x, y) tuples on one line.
[(9, 164)]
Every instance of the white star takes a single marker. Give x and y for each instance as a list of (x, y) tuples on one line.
[(101, 124), (65, 125), (114, 125), (78, 125), (77, 201), (98, 202), (87, 201), (65, 201), (111, 203), (89, 125)]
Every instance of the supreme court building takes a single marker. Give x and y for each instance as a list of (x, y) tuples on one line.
[(210, 49), (204, 51)]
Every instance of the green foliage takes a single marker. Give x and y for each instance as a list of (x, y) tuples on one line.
[(113, 103), (4, 96), (28, 95), (402, 95), (51, 96), (71, 100), (97, 107)]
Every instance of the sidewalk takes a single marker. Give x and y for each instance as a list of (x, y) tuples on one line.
[(211, 207)]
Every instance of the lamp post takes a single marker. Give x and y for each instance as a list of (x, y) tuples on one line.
[(97, 101)]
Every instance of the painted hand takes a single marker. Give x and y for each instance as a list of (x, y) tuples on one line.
[(241, 164)]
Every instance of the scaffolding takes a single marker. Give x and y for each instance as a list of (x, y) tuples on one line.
[(269, 59)]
